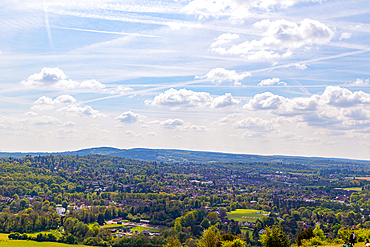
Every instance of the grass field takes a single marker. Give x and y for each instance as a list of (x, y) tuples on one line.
[(246, 215), (5, 242), (354, 188), (142, 228)]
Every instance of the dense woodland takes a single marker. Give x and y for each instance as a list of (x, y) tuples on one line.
[(185, 199)]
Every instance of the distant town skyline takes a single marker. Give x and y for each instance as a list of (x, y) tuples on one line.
[(287, 77)]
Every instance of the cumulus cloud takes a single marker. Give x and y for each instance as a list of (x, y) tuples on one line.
[(271, 82), (345, 36), (129, 117), (224, 39), (92, 84), (280, 39), (131, 133), (360, 82), (55, 77), (195, 128), (336, 106), (81, 111), (151, 134), (121, 90), (47, 103), (171, 123), (224, 100), (220, 75), (183, 98), (227, 119), (300, 66), (256, 124)]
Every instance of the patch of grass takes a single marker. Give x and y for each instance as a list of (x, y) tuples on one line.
[(354, 188), (5, 242), (26, 243), (142, 228), (56, 233), (245, 215)]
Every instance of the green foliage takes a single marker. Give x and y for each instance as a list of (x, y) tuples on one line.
[(205, 224), (274, 237), (306, 234), (173, 242), (319, 233), (210, 238), (235, 243)]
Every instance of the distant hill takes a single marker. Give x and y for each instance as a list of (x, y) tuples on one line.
[(173, 155)]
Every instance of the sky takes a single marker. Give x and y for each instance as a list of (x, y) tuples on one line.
[(287, 77)]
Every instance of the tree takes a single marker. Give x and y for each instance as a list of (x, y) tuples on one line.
[(173, 242), (65, 204), (235, 243), (213, 217), (178, 226), (306, 234), (210, 237), (274, 237), (205, 224)]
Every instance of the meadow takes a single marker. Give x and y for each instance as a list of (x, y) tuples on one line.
[(245, 215), (5, 242)]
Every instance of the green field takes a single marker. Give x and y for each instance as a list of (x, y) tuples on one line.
[(142, 228), (246, 215), (354, 188), (5, 242)]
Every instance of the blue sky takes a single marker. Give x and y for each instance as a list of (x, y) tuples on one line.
[(266, 77)]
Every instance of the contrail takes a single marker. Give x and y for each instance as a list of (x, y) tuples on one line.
[(47, 25), (251, 71), (108, 32)]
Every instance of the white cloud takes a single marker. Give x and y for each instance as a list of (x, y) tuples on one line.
[(92, 84), (121, 90), (271, 82), (171, 123), (281, 38), (300, 66), (195, 128), (345, 36), (129, 117), (183, 98), (227, 119), (224, 39), (360, 82), (151, 134), (235, 10), (224, 100), (45, 103), (216, 8), (131, 133), (343, 97), (55, 77), (336, 106), (256, 124), (264, 101), (223, 75), (82, 111), (69, 123), (45, 120)]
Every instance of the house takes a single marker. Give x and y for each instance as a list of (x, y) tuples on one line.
[(61, 210)]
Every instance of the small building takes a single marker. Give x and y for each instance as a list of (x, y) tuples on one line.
[(61, 210)]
